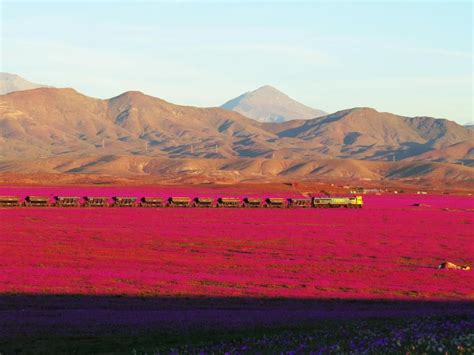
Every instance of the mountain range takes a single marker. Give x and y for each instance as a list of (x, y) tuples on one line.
[(61, 130)]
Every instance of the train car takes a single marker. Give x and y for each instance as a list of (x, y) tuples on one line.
[(229, 202), (335, 202), (124, 201), (299, 202), (66, 201), (91, 201), (252, 202), (206, 202), (275, 202), (151, 202), (37, 201), (179, 202), (9, 201)]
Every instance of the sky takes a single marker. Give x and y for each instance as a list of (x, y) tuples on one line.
[(408, 58)]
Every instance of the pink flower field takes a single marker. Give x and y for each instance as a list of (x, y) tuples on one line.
[(387, 250)]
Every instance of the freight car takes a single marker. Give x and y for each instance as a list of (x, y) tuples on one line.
[(275, 202), (90, 201), (252, 202), (332, 202), (207, 202), (124, 201), (299, 202), (179, 202), (9, 201), (66, 201), (230, 202), (151, 202), (37, 201)]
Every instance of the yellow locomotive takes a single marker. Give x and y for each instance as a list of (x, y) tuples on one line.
[(331, 202)]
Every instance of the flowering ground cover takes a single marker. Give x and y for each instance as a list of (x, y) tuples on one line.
[(451, 335), (420, 335), (388, 250)]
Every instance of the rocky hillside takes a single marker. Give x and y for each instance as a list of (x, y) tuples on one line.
[(61, 130)]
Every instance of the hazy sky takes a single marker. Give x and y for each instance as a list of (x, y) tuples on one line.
[(402, 57)]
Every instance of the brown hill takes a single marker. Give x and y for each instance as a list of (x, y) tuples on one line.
[(462, 152), (364, 133), (49, 122), (245, 169), (61, 130)]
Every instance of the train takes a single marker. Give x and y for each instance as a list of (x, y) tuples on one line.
[(182, 202)]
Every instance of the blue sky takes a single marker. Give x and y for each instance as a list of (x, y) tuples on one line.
[(402, 57)]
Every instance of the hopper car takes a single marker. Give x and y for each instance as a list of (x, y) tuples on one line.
[(229, 202), (151, 202), (179, 202), (275, 202), (252, 202), (9, 201), (207, 202), (299, 202), (37, 201), (124, 201), (66, 201), (90, 201)]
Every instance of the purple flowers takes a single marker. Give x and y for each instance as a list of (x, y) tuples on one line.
[(446, 335)]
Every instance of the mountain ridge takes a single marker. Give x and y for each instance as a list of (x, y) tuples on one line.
[(243, 169), (133, 128)]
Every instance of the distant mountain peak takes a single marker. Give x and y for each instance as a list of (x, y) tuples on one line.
[(268, 104), (270, 93), (13, 82), (267, 88)]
